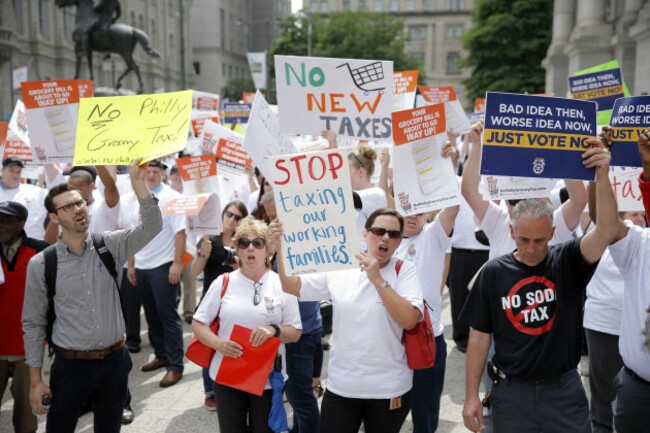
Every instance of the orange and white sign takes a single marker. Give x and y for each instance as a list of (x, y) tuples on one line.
[(479, 105), (203, 212), (198, 121), (204, 101), (404, 86), (457, 121)]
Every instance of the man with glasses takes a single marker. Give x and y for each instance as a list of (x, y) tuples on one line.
[(91, 361), (155, 271)]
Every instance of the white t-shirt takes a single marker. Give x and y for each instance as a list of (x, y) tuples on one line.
[(496, 225), (33, 198), (426, 251), (632, 256), (161, 249), (237, 307), (102, 217), (367, 358), (371, 199), (604, 304)]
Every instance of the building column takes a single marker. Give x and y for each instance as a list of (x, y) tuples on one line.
[(640, 33), (590, 42), (556, 61)]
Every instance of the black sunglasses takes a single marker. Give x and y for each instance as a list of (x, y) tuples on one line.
[(380, 231), (232, 215), (244, 243), (256, 297)]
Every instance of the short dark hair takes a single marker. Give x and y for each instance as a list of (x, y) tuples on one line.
[(83, 174), (384, 211), (59, 189)]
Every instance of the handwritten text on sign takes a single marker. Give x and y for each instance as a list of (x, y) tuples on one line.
[(630, 117), (537, 136), (119, 129), (350, 97), (625, 181), (313, 199)]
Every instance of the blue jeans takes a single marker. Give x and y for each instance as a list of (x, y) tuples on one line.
[(101, 382), (160, 300), (300, 393), (427, 389)]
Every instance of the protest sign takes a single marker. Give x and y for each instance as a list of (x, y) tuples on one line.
[(313, 199), (199, 174), (18, 75), (610, 86), (203, 212), (51, 110), (4, 128), (625, 181), (204, 101), (455, 116), (537, 136), (257, 66), (404, 86), (422, 179), (263, 137), (479, 105), (249, 97), (630, 117), (474, 117), (119, 129), (85, 88), (198, 120), (14, 146), (514, 188), (350, 97), (236, 112), (227, 145), (18, 121)]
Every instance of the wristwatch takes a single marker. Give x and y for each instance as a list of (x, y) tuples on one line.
[(383, 286), (277, 329)]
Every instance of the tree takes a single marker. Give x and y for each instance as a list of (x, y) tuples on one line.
[(235, 87), (506, 46), (346, 35)]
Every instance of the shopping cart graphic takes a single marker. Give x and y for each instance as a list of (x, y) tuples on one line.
[(366, 75)]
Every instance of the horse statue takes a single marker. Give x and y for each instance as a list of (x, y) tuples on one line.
[(95, 30)]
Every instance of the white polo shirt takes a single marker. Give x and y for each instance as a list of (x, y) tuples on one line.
[(33, 198)]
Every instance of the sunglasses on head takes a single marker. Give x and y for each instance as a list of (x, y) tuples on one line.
[(513, 202), (380, 231), (244, 243), (232, 215)]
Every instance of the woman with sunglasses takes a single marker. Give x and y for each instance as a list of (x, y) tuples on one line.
[(213, 259), (369, 379), (253, 299)]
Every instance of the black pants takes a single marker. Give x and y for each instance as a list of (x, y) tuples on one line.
[(604, 364), (345, 415), (235, 406), (463, 265), (102, 382), (132, 304), (632, 413)]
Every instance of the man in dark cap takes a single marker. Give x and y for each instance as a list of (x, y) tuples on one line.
[(29, 196), (17, 249)]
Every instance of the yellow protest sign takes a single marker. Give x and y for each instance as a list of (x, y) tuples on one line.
[(118, 129)]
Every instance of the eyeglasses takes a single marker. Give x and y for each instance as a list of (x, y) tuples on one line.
[(232, 215), (257, 297), (244, 243), (70, 206), (380, 231)]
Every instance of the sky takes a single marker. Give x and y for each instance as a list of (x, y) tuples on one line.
[(295, 5)]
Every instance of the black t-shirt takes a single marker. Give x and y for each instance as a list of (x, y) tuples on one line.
[(214, 265), (533, 312)]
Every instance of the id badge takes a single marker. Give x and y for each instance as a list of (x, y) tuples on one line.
[(395, 403)]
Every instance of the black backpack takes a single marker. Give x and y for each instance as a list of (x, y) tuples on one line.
[(50, 280)]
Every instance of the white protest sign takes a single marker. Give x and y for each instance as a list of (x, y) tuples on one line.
[(404, 85), (203, 212), (18, 122), (353, 98), (313, 199), (625, 181), (199, 174), (227, 145), (204, 101), (263, 136), (457, 121), (514, 188), (257, 66), (422, 179)]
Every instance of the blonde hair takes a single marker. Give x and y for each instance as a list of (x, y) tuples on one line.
[(250, 226), (364, 157)]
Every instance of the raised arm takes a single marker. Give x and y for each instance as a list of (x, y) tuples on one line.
[(111, 193), (383, 178), (471, 175), (573, 208)]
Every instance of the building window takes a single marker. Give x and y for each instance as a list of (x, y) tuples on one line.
[(172, 48), (452, 62), (132, 19), (450, 32), (154, 36), (419, 56), (141, 23), (449, 4), (68, 24), (18, 11), (170, 6), (362, 5), (459, 31), (426, 5), (229, 71), (323, 6), (313, 6), (394, 6), (222, 22), (378, 5), (223, 69), (460, 4), (346, 5), (410, 5), (43, 18), (417, 33)]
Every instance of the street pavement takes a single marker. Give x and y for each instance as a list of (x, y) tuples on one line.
[(180, 407)]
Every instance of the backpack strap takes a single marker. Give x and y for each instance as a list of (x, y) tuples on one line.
[(50, 282), (109, 263)]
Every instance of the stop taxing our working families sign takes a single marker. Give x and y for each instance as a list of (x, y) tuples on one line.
[(537, 136), (350, 97)]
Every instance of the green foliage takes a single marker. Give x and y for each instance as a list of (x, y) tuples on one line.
[(506, 46), (236, 86)]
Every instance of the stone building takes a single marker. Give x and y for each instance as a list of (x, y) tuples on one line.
[(589, 32), (434, 28)]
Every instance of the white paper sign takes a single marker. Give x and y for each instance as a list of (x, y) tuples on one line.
[(514, 188), (313, 199), (350, 97), (423, 179), (625, 181), (257, 66), (18, 122), (203, 212), (263, 136), (457, 121)]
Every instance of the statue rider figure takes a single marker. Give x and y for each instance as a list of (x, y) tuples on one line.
[(108, 11)]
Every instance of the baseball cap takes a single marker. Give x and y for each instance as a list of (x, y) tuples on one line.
[(15, 209), (12, 160), (89, 168), (157, 163)]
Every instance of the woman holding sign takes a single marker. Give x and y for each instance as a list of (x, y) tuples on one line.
[(253, 299), (369, 378)]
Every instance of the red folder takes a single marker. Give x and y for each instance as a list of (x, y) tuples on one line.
[(250, 371)]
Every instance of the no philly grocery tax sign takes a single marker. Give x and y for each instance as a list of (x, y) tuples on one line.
[(537, 136)]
